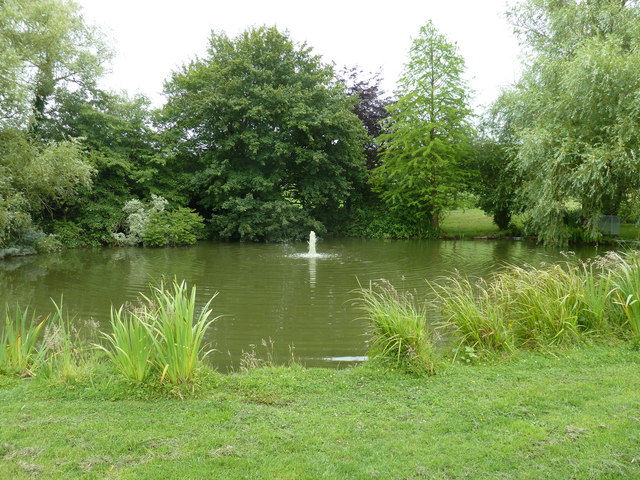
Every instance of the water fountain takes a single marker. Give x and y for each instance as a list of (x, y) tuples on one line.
[(312, 244)]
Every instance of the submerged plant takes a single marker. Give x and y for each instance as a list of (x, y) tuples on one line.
[(398, 329), (19, 341)]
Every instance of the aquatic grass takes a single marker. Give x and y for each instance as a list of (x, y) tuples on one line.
[(626, 282), (130, 344), (474, 312), (398, 329), (19, 341), (544, 305), (178, 331), (64, 354)]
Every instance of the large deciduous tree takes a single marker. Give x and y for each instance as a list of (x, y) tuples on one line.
[(46, 46), (269, 135), (575, 112), (427, 132)]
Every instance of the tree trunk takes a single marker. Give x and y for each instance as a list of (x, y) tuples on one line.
[(435, 221)]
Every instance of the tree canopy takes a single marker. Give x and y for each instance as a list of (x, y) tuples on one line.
[(268, 134), (427, 131), (574, 114)]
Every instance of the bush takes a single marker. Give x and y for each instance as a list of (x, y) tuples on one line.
[(154, 226), (178, 227)]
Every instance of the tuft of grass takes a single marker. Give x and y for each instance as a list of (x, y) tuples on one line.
[(398, 329), (19, 341), (178, 331), (64, 354), (130, 344), (471, 310), (626, 291)]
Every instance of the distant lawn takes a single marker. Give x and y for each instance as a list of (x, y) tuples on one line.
[(468, 223), (629, 231)]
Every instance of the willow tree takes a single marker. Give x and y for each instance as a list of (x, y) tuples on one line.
[(427, 132), (575, 112)]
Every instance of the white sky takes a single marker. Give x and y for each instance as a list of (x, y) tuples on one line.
[(154, 37)]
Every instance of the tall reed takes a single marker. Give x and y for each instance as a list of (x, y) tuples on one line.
[(19, 341), (178, 331), (475, 313), (626, 282), (398, 329), (130, 344)]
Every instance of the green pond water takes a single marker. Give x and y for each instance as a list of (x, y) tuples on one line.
[(267, 292)]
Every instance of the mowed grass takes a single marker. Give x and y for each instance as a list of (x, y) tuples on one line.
[(574, 414), (468, 223)]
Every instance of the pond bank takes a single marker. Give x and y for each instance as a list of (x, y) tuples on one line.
[(572, 414)]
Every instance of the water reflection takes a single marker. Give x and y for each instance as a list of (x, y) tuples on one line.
[(266, 291)]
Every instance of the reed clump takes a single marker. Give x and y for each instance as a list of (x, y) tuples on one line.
[(164, 336), (537, 308), (529, 308), (398, 328), (20, 341)]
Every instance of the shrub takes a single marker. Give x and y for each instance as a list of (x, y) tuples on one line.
[(178, 227), (398, 329), (154, 226)]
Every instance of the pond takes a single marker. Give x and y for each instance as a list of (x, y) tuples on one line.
[(265, 291)]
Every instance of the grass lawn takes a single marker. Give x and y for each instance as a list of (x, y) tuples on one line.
[(575, 414), (468, 223)]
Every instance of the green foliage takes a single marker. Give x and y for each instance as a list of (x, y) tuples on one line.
[(130, 344), (494, 181), (626, 280), (178, 331), (64, 354), (268, 132), (375, 221), (178, 227), (154, 226), (163, 337), (47, 47), (398, 329), (35, 179), (19, 341), (474, 313), (536, 308), (427, 132), (573, 114)]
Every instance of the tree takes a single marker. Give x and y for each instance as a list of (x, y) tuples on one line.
[(494, 181), (370, 107), (46, 45), (428, 131), (574, 113), (268, 135)]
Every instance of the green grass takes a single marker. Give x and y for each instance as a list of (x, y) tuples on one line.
[(468, 223), (572, 415), (398, 329)]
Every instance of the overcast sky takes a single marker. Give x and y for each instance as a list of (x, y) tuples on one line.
[(153, 37)]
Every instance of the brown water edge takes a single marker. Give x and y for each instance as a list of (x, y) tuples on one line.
[(266, 291)]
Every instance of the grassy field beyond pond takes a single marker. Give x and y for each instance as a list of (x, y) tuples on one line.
[(575, 414)]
